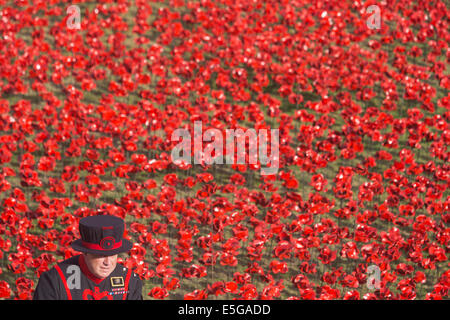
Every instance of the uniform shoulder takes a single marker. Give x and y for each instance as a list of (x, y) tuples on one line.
[(135, 277), (124, 271), (71, 260), (49, 274), (63, 265), (131, 280)]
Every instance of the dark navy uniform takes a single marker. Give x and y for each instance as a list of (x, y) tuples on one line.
[(71, 279)]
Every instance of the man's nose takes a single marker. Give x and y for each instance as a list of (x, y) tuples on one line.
[(106, 261)]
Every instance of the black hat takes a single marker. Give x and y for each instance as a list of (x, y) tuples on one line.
[(102, 235)]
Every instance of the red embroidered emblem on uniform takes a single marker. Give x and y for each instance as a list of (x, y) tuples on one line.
[(96, 295)]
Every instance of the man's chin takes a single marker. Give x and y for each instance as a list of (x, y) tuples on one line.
[(103, 274)]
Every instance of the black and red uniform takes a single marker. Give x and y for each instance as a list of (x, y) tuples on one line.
[(71, 279)]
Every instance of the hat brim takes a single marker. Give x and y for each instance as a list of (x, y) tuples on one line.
[(77, 245)]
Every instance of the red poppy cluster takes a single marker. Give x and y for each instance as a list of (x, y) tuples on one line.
[(87, 116)]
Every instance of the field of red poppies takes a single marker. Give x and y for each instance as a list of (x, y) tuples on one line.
[(86, 117)]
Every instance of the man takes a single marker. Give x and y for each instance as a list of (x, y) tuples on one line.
[(94, 274)]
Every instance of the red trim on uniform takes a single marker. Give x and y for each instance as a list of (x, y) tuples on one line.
[(127, 280), (95, 246), (87, 272), (63, 279)]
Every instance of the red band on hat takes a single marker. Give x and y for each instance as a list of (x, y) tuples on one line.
[(95, 246)]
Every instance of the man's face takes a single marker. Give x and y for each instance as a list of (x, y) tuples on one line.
[(101, 266)]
